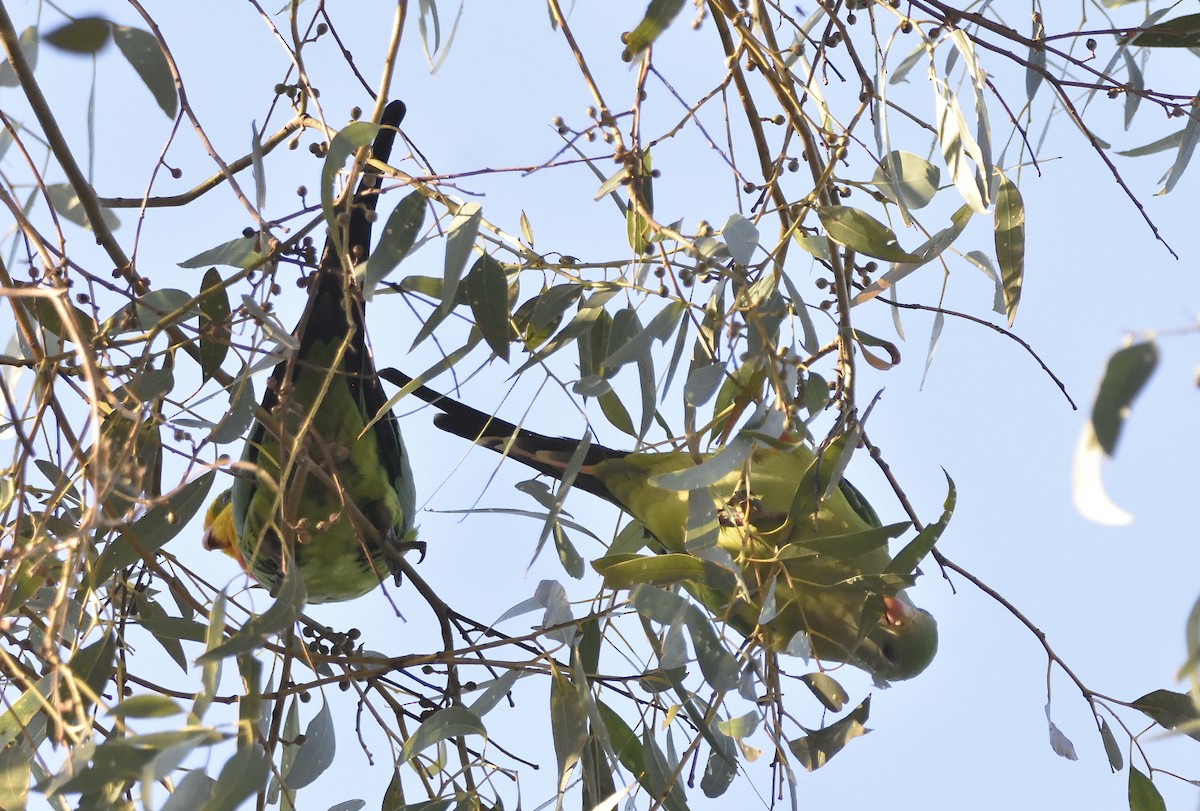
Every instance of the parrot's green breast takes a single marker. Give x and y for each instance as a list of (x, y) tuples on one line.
[(764, 521), (343, 506)]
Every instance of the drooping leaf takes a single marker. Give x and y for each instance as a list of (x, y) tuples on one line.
[(568, 725), (626, 571), (906, 178), (146, 705), (83, 35), (243, 252), (29, 49), (1059, 742), (741, 237), (215, 333), (1124, 378), (396, 240), (863, 233), (315, 755), (67, 203), (1035, 65), (1180, 32), (827, 690), (818, 746), (346, 142), (1116, 760), (142, 51), (1143, 794), (289, 600), (460, 240), (719, 668), (1171, 710), (242, 775), (446, 723), (659, 15), (1010, 243), (721, 767), (486, 288)]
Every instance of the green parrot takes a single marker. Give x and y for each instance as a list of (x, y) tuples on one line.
[(827, 557), (316, 492)]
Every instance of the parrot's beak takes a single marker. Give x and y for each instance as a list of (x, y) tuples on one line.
[(207, 540), (895, 611)]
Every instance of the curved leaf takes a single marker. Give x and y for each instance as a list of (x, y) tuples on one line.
[(861, 232)]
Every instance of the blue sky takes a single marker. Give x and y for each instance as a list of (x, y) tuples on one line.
[(969, 733)]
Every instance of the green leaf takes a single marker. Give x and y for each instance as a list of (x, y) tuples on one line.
[(625, 571), (192, 790), (282, 613), (843, 547), (84, 35), (446, 723), (719, 668), (741, 237), (315, 755), (659, 15), (494, 691), (148, 705), (933, 247), (1180, 32), (624, 742), (722, 765), (142, 51), (1115, 760), (861, 232), (215, 333), (67, 203), (94, 665), (1183, 158), (29, 49), (660, 605), (741, 727), (18, 718), (210, 675), (398, 237), (15, 765), (243, 252), (659, 774), (568, 724), (596, 773), (1010, 243), (237, 420), (538, 317), (1035, 65), (708, 472), (1171, 141), (345, 143), (460, 240), (1124, 378), (831, 694), (1170, 710), (971, 177), (242, 775), (636, 345), (486, 287), (1143, 795), (905, 178), (149, 533), (914, 552), (815, 749)]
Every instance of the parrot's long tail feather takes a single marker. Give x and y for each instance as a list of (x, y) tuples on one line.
[(545, 454)]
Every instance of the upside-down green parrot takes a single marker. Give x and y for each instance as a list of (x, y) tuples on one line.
[(826, 556), (314, 491)]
